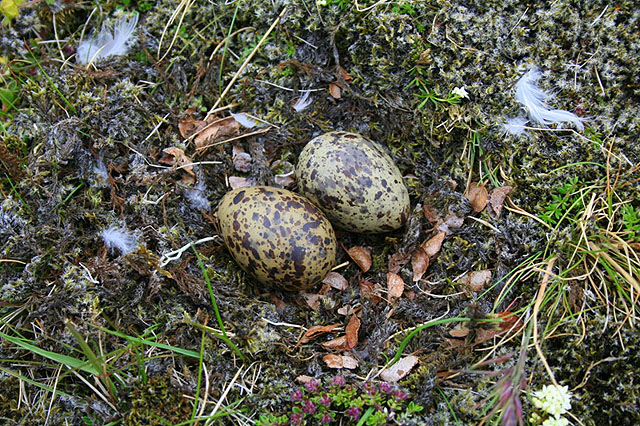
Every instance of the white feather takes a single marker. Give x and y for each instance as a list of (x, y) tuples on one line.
[(533, 100), (109, 41), (244, 120), (304, 101), (120, 239), (515, 126)]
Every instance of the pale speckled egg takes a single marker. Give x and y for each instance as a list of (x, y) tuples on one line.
[(277, 236), (354, 181)]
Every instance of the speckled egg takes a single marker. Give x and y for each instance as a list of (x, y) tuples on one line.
[(277, 236), (354, 181)]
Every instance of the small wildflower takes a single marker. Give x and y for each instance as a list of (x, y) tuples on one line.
[(560, 421), (312, 386), (370, 388), (296, 395), (354, 413), (385, 387), (297, 418), (338, 381), (460, 91), (552, 399), (309, 407), (399, 395), (326, 419), (325, 400)]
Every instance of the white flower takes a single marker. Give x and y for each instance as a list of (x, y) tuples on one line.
[(460, 91), (552, 399), (551, 421)]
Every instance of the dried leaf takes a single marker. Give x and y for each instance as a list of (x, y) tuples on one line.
[(476, 280), (211, 130), (432, 246), (239, 182), (241, 159), (361, 256), (304, 379), (397, 261), (348, 78), (176, 157), (312, 299), (419, 263), (370, 290), (318, 330), (339, 343), (400, 369), (496, 200), (333, 360), (451, 224), (340, 361), (395, 285), (335, 91), (351, 331), (431, 215), (459, 331), (477, 194), (336, 281)]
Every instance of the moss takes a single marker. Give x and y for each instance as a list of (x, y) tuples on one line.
[(156, 402)]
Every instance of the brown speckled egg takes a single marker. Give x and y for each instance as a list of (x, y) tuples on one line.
[(277, 236), (354, 182)]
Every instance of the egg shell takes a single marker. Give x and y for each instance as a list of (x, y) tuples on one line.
[(277, 236), (354, 181)]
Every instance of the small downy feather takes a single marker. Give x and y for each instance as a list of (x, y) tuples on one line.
[(109, 41), (533, 100), (119, 239)]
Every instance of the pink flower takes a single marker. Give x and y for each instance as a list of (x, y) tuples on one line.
[(354, 413), (296, 395), (312, 386), (338, 381)]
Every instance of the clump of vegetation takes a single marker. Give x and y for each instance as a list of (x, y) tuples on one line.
[(335, 402)]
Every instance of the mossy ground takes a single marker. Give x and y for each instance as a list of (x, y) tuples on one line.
[(80, 153)]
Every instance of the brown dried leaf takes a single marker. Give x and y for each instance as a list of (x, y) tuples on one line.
[(451, 224), (477, 194), (476, 280), (318, 330), (400, 369), (335, 91), (351, 331), (312, 300), (361, 256), (419, 263), (459, 331), (340, 361), (339, 343), (241, 159), (239, 182), (395, 285), (369, 290), (349, 362), (336, 281), (176, 157), (432, 246), (397, 261), (304, 379), (348, 78), (213, 130), (432, 215), (333, 360), (496, 200)]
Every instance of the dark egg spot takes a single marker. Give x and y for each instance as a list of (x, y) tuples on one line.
[(236, 225), (238, 197)]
